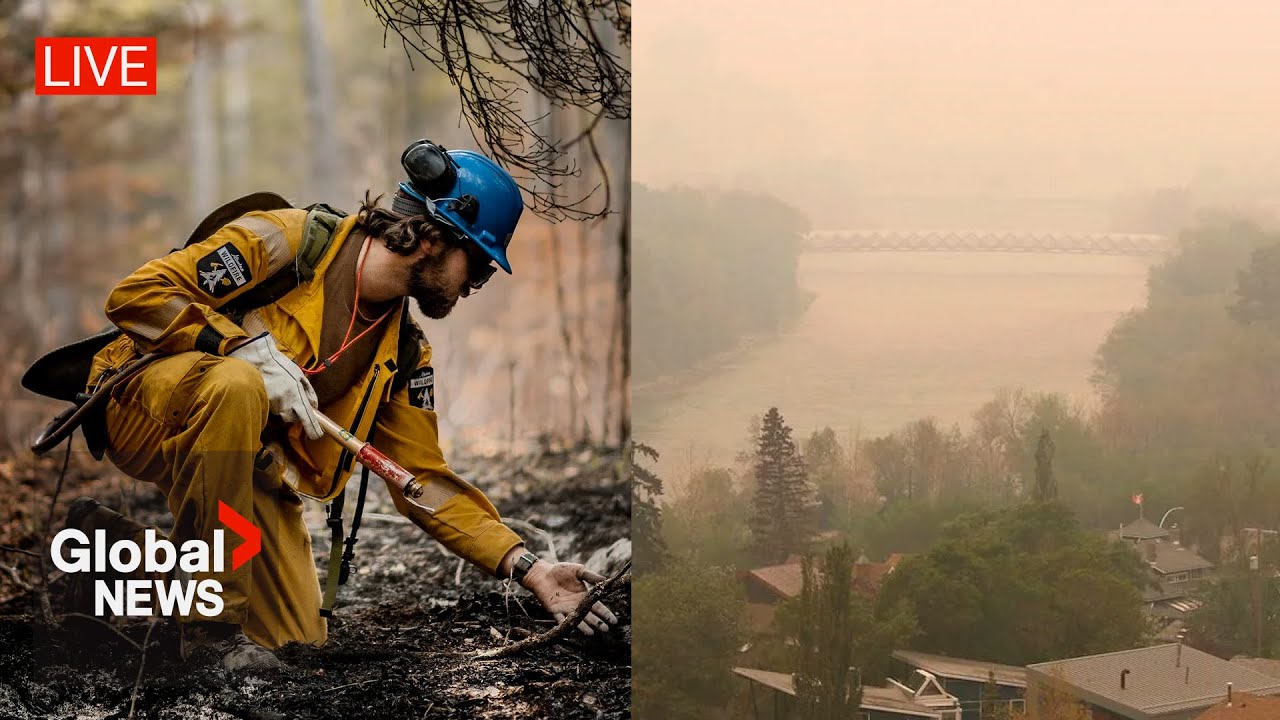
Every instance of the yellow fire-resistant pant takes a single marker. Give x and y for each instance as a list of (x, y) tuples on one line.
[(192, 424)]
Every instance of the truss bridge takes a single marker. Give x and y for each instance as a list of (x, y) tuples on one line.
[(1071, 243)]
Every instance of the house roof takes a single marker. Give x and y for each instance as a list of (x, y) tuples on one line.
[(785, 581), (963, 669), (867, 576), (1158, 683), (1244, 707), (1171, 558), (1142, 529), (889, 699)]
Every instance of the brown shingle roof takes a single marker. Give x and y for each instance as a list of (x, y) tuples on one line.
[(785, 581), (867, 576), (1157, 683)]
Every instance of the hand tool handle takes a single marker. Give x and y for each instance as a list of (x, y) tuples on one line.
[(379, 464)]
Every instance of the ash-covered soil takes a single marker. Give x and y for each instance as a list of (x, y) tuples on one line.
[(402, 637)]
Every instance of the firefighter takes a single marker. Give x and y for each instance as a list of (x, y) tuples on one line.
[(228, 414)]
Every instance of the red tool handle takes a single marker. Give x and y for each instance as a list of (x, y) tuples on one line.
[(379, 464)]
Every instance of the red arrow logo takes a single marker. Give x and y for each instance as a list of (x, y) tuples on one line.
[(236, 522)]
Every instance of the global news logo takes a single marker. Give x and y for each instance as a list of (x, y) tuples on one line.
[(75, 552)]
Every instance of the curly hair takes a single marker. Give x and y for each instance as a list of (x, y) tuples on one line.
[(400, 233)]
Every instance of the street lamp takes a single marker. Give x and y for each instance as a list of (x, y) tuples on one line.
[(1166, 515)]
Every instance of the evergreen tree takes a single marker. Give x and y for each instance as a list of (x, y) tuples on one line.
[(826, 687), (648, 548), (1046, 485), (784, 507), (992, 708)]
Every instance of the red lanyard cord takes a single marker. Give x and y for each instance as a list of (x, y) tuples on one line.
[(342, 347)]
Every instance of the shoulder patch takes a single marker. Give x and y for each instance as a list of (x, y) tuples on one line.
[(422, 388), (223, 271)]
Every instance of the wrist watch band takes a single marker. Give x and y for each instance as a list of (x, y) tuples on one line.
[(522, 566)]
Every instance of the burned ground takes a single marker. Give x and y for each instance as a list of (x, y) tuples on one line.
[(401, 640)]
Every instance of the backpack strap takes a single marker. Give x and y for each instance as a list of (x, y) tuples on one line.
[(322, 222), (341, 553), (317, 235), (334, 523)]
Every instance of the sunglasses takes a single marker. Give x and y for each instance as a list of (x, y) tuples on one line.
[(480, 266)]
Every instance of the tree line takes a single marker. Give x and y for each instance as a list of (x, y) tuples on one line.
[(710, 268)]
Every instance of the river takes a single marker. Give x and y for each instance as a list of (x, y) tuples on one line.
[(893, 337)]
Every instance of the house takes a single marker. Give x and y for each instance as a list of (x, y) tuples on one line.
[(1175, 567), (1143, 529), (867, 575), (774, 584), (1243, 706), (967, 680), (1175, 571), (1162, 682), (773, 698), (766, 587)]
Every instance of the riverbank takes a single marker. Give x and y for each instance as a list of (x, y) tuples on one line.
[(890, 338)]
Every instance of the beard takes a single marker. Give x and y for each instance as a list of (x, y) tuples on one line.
[(429, 288)]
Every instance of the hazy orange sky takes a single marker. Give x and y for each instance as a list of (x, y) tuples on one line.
[(973, 112)]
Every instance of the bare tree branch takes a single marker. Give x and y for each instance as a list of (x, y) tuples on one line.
[(16, 577), (142, 662), (6, 548), (62, 619), (496, 51)]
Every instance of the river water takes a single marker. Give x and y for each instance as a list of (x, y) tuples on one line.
[(894, 337)]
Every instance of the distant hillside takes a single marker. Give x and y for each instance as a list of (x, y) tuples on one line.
[(710, 267)]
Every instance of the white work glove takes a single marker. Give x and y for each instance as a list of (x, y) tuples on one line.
[(288, 390)]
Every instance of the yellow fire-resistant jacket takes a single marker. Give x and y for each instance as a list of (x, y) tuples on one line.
[(171, 305)]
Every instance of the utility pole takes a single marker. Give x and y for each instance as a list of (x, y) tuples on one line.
[(1257, 599)]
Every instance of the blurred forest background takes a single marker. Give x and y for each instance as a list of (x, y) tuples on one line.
[(303, 99)]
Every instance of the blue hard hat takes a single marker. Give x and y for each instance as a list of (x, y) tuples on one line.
[(491, 219)]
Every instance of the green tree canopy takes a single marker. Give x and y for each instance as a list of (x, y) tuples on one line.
[(687, 621), (1021, 585)]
